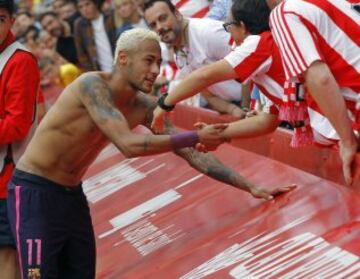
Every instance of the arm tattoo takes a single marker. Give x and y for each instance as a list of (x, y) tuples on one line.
[(99, 97), (203, 162), (209, 164)]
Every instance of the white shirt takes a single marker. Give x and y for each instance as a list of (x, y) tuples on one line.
[(103, 47), (208, 43)]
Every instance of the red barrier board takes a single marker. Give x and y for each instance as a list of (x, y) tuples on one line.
[(156, 217)]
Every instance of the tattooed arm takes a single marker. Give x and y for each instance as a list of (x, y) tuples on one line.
[(208, 164), (97, 98)]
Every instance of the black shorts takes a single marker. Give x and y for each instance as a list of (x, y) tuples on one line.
[(6, 237), (52, 227)]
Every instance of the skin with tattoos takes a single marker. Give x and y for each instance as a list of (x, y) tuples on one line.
[(99, 108)]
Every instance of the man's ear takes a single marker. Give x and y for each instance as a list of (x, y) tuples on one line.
[(123, 58), (178, 15)]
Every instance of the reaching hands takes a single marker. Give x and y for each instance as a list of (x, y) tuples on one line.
[(210, 136), (205, 128)]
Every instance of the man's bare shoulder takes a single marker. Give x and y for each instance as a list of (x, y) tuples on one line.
[(90, 82), (145, 104)]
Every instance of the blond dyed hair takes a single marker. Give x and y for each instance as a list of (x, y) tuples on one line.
[(130, 40)]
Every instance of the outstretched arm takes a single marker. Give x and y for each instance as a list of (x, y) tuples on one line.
[(208, 164), (325, 90), (97, 98), (192, 84)]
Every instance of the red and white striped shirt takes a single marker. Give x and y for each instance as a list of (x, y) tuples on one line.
[(320, 30), (258, 59), (192, 8)]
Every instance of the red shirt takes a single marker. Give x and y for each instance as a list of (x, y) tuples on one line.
[(19, 84)]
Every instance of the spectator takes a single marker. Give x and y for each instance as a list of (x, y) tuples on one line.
[(60, 29), (69, 13), (46, 41), (140, 4), (323, 55), (127, 15), (94, 37), (196, 42), (23, 20), (56, 6), (19, 83), (55, 72), (255, 58)]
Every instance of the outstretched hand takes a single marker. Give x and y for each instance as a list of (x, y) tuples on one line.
[(350, 164), (270, 194), (157, 125)]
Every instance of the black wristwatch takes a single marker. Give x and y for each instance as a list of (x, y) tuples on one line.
[(161, 103)]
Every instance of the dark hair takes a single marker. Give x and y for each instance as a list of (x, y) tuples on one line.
[(149, 3), (97, 3), (48, 13), (8, 5), (253, 13), (31, 28), (24, 12)]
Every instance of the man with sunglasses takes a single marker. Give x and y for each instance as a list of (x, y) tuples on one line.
[(197, 42)]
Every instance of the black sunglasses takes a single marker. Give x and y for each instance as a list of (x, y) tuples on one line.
[(227, 25)]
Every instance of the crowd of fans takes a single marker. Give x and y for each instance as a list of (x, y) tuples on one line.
[(300, 61), (70, 37)]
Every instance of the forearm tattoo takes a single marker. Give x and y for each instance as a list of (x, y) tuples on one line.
[(206, 163), (209, 164)]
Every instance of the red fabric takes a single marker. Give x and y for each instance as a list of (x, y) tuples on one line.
[(4, 179), (41, 98), (19, 83)]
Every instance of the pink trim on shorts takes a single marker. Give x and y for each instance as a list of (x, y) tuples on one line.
[(17, 208), (38, 251)]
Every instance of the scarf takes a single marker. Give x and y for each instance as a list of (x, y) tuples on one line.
[(294, 110)]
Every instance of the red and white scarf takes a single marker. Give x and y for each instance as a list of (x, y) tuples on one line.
[(294, 110)]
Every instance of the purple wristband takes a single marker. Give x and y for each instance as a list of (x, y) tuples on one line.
[(185, 139)]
